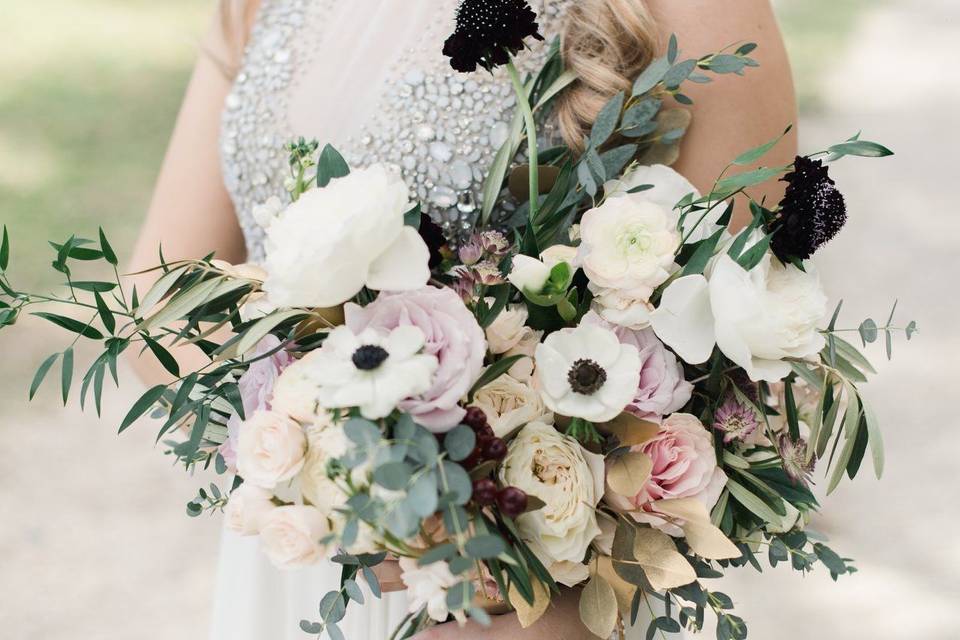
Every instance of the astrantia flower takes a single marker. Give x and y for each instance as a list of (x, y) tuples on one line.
[(587, 373), (735, 420), (794, 457), (373, 370), (811, 213), (488, 32)]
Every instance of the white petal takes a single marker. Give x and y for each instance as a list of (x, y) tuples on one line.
[(684, 319), (552, 371), (404, 266), (405, 341)]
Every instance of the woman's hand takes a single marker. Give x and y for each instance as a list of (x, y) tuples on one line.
[(560, 622)]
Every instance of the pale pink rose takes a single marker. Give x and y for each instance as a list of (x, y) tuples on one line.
[(247, 508), (663, 388), (684, 466), (291, 536), (256, 389), (271, 449), (453, 336)]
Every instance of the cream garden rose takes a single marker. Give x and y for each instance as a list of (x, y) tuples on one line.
[(291, 536), (509, 404), (270, 449), (247, 508), (508, 329), (552, 466), (326, 440)]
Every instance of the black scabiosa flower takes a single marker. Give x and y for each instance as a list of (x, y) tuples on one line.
[(811, 213), (433, 236), (488, 32)]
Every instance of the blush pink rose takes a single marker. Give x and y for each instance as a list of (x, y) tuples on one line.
[(453, 336), (684, 466), (663, 389), (256, 389)]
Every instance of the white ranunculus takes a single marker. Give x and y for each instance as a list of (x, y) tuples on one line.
[(427, 587), (246, 509), (552, 466), (507, 329), (373, 371), (326, 440), (509, 404), (587, 373), (758, 318), (628, 245), (329, 244), (270, 449), (291, 536), (669, 188)]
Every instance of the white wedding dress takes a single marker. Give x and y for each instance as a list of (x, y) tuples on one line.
[(368, 77)]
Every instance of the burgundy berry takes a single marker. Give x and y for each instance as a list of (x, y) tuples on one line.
[(495, 449), (512, 501), (486, 432), (484, 491), (473, 459), (475, 418)]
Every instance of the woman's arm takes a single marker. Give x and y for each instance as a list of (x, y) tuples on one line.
[(733, 113), (191, 214)]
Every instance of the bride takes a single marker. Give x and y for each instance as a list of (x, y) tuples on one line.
[(368, 77)]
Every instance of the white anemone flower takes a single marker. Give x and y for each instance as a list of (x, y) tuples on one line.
[(373, 371), (587, 373)]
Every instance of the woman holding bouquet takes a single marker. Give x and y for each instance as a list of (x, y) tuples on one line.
[(368, 77)]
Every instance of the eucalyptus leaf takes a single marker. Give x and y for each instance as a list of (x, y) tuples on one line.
[(330, 165)]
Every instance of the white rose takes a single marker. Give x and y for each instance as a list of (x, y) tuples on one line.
[(569, 479), (507, 329), (628, 244), (587, 373), (270, 449), (246, 509), (291, 536), (669, 188), (509, 404), (758, 318), (329, 244), (522, 369), (296, 391), (621, 308), (326, 440), (427, 587)]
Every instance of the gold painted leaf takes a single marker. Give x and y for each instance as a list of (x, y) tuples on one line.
[(627, 474), (706, 540), (527, 614), (663, 565), (598, 607), (631, 430), (623, 589)]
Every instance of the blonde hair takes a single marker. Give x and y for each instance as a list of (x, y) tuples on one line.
[(607, 43)]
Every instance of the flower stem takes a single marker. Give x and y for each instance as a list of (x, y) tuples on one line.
[(523, 102)]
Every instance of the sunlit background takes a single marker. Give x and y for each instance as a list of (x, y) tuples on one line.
[(94, 540)]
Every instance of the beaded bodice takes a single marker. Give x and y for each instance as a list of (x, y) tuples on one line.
[(367, 76)]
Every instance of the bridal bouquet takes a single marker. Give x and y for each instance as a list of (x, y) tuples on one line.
[(611, 391)]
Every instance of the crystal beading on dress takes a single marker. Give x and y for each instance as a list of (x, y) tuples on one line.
[(440, 129)]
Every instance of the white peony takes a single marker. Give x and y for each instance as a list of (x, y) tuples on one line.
[(628, 244), (329, 244), (427, 587), (373, 371), (291, 536), (587, 373), (509, 404), (270, 449), (547, 464), (507, 329), (326, 441), (246, 509), (669, 188), (758, 318)]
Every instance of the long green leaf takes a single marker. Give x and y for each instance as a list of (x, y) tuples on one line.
[(106, 316), (5, 250), (108, 253), (41, 374), (494, 371), (754, 504), (141, 406), (851, 424), (755, 154), (160, 288), (163, 356), (70, 324), (66, 374), (876, 439), (254, 334)]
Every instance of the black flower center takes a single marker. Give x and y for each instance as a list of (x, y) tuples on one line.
[(586, 377), (369, 357)]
